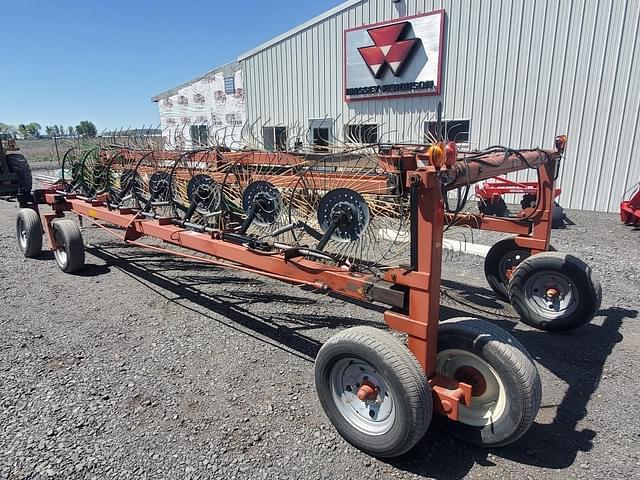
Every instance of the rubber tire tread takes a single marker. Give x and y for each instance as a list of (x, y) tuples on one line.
[(590, 290), (497, 251), (17, 163), (33, 228), (372, 344), (74, 245), (492, 343)]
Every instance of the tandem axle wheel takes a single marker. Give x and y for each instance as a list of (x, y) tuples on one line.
[(551, 291), (69, 246), (375, 393)]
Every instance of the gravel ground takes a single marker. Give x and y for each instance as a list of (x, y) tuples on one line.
[(144, 366)]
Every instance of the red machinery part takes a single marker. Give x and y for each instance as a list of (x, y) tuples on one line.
[(498, 186), (630, 209)]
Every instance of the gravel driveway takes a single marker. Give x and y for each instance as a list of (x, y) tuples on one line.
[(144, 366)]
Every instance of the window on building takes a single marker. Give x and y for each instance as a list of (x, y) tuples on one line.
[(321, 138), (229, 85), (365, 133), (320, 133), (275, 138), (450, 131), (199, 135)]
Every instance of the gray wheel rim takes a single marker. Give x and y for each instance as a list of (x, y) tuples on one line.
[(551, 294), (374, 416)]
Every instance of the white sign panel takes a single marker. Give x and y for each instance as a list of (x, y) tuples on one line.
[(402, 57)]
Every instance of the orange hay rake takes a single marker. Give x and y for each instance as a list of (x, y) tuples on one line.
[(366, 225)]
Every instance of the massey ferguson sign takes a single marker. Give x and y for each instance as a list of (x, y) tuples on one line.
[(392, 59)]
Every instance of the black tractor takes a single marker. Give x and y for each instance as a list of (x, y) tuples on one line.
[(15, 173)]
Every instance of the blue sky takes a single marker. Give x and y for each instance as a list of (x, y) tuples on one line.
[(102, 60)]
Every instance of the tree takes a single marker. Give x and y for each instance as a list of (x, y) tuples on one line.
[(86, 129), (61, 130), (49, 131), (7, 129), (71, 131), (22, 130), (33, 129)]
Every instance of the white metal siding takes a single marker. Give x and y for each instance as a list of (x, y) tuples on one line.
[(521, 70)]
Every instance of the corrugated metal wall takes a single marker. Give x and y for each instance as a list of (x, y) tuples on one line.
[(520, 70)]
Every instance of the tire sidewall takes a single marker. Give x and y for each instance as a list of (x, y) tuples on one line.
[(380, 445), (509, 422), (29, 221)]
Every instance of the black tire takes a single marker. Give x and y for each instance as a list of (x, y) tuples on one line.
[(29, 232), (466, 345), (501, 259), (496, 207), (557, 216), (19, 165), (548, 279), (528, 200), (70, 252), (379, 355)]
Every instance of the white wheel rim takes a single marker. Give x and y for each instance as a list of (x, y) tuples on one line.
[(374, 416), (551, 294), (60, 253), (489, 403), (22, 235)]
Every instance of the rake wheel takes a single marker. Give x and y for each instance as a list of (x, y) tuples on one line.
[(196, 188), (257, 187), (89, 173), (127, 186), (359, 215)]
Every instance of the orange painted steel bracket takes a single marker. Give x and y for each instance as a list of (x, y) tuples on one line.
[(448, 394), (48, 218)]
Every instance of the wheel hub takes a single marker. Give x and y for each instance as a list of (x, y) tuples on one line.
[(367, 392), (488, 391), (203, 191), (551, 294), (473, 377), (345, 211), (509, 262), (265, 200), (362, 396)]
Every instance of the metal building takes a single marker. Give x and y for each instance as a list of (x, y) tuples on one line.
[(208, 108), (507, 72)]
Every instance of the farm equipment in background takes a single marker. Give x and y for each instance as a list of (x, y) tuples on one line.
[(630, 209), (367, 225), (15, 173), (491, 201)]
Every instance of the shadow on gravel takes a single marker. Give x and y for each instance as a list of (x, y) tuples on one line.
[(45, 255), (577, 358), (150, 269)]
